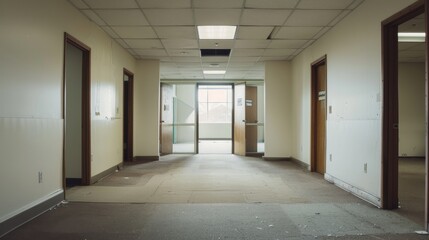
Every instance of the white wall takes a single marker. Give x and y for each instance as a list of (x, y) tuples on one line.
[(411, 80), (353, 51), (31, 124), (73, 112), (278, 107), (146, 108)]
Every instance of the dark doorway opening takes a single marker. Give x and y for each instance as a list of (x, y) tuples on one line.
[(128, 115), (76, 113)]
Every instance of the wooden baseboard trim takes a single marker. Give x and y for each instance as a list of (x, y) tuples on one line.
[(302, 164), (105, 173), (31, 213), (146, 158)]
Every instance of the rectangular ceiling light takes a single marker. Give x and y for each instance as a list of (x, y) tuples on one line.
[(214, 72), (411, 36), (216, 32)]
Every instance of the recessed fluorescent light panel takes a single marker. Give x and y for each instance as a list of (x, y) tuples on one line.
[(216, 32), (411, 37), (213, 72)]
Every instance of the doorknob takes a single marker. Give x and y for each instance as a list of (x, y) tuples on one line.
[(244, 121), (162, 121)]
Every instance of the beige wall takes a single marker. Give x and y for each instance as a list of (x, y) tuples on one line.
[(146, 108), (31, 123), (353, 49), (411, 80), (278, 107)]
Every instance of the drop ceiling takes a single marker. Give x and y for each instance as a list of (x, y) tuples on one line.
[(412, 51), (166, 30)]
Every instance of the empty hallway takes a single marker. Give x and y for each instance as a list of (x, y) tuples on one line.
[(215, 197)]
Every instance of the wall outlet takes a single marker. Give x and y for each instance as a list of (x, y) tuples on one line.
[(40, 175), (330, 157), (365, 167)]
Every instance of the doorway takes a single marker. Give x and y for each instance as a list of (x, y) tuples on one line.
[(318, 115), (128, 78), (76, 113), (215, 111), (390, 137)]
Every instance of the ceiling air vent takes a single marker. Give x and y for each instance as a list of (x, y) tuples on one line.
[(215, 52)]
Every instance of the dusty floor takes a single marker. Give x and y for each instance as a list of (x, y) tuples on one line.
[(215, 197)]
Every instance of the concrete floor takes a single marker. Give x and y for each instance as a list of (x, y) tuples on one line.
[(215, 197)]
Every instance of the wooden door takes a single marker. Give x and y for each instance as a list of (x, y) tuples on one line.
[(251, 119), (128, 116), (240, 119), (166, 128), (320, 118)]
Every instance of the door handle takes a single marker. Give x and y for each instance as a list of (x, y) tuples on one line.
[(244, 121), (395, 126), (162, 121)]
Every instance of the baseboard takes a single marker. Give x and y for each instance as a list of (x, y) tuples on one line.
[(34, 210), (146, 158), (105, 173), (302, 164), (254, 154), (276, 158), (354, 190)]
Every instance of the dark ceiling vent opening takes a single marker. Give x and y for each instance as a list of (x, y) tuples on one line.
[(215, 52)]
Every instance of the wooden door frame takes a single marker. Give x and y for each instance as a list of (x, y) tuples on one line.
[(130, 115), (314, 65), (389, 195), (197, 119), (86, 107)]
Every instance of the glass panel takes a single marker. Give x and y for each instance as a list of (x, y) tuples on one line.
[(218, 95), (217, 112), (261, 140), (184, 104), (183, 139)]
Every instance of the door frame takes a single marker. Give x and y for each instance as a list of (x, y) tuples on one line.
[(389, 193), (197, 119), (314, 65), (86, 107), (130, 114)]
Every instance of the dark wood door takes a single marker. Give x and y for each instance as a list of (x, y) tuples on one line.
[(321, 118), (240, 119), (251, 119), (128, 116), (166, 128)]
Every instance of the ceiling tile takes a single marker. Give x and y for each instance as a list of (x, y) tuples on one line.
[(281, 58), (322, 32), (215, 59), (144, 43), (176, 32), (131, 17), (259, 17), (172, 17), (221, 44), (183, 52), (243, 52), (135, 32), (79, 4), (278, 52), (245, 32), (218, 4), (186, 59), (180, 43), (312, 18), (151, 52), (287, 43), (413, 25), (340, 17), (241, 65), (214, 66), (251, 43), (355, 4), (217, 16), (109, 31), (106, 4), (297, 32), (324, 4), (164, 3), (94, 17), (271, 3), (244, 59)]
